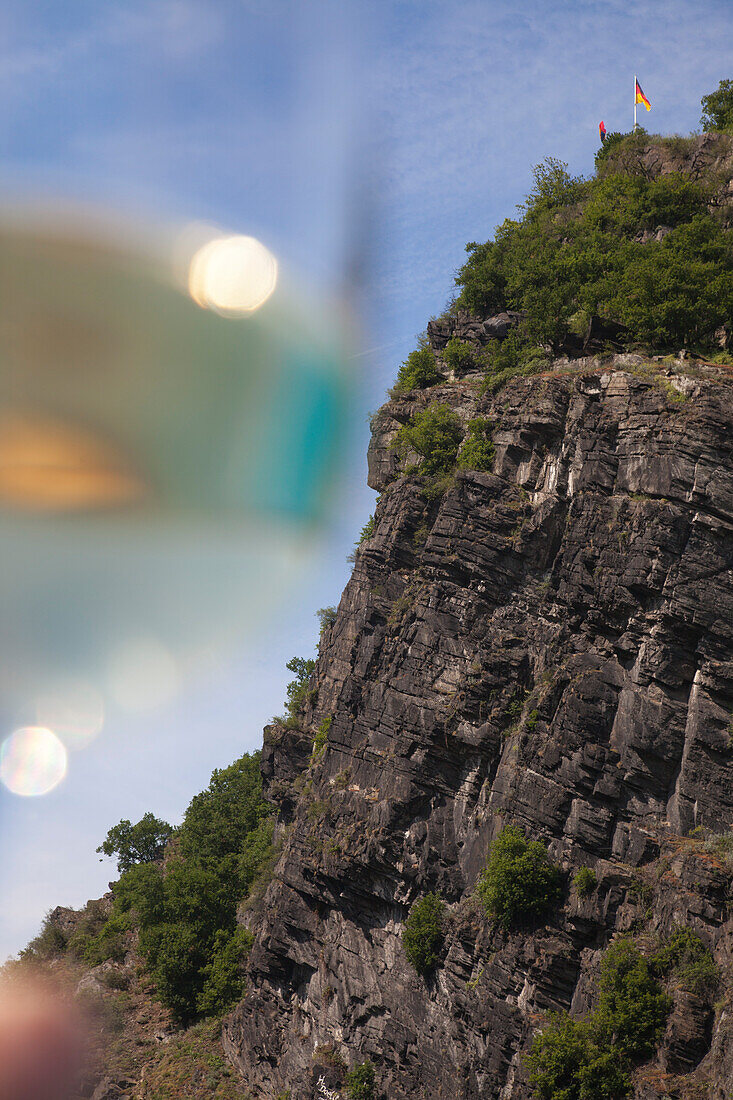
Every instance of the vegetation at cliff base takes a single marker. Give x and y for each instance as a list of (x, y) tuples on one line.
[(422, 936), (185, 911), (591, 1059), (519, 881)]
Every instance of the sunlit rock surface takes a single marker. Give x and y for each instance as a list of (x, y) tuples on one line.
[(590, 577)]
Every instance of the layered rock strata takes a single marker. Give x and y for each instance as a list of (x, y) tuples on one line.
[(548, 644)]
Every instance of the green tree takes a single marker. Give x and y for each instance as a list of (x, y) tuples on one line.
[(582, 247), (585, 882), (519, 882), (143, 842), (222, 974), (219, 819), (326, 617), (566, 1063), (418, 371), (632, 1009), (361, 1081), (717, 108), (435, 434), (186, 912), (460, 357), (477, 451), (482, 280), (297, 689), (422, 937)]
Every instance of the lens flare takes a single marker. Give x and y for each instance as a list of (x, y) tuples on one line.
[(74, 710), (32, 761), (232, 275)]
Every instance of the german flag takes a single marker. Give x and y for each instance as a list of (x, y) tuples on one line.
[(641, 98)]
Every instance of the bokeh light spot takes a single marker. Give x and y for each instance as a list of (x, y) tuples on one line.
[(74, 710), (232, 275), (32, 761)]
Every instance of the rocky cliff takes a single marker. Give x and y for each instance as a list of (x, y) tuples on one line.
[(549, 644)]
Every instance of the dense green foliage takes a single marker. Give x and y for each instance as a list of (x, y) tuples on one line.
[(460, 357), (590, 1059), (519, 881), (568, 1063), (361, 1082), (435, 433), (297, 689), (686, 960), (418, 371), (632, 1007), (577, 246), (186, 911), (717, 108), (422, 936), (477, 451), (143, 842), (584, 882)]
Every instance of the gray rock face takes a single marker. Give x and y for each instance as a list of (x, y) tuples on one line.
[(471, 330), (549, 644)]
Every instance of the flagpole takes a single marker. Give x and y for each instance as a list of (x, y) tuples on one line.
[(634, 102)]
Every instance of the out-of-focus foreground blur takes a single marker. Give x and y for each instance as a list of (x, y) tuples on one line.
[(173, 392), (169, 415)]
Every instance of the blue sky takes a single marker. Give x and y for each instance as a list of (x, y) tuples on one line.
[(377, 135)]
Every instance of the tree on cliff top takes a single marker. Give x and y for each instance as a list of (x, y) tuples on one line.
[(143, 842), (717, 108)]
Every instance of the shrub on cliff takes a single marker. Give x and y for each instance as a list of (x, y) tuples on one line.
[(519, 881), (418, 371), (590, 1059), (297, 689), (460, 357), (685, 959), (477, 451), (584, 882), (361, 1082), (435, 434), (632, 1009), (566, 1063), (422, 937)]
